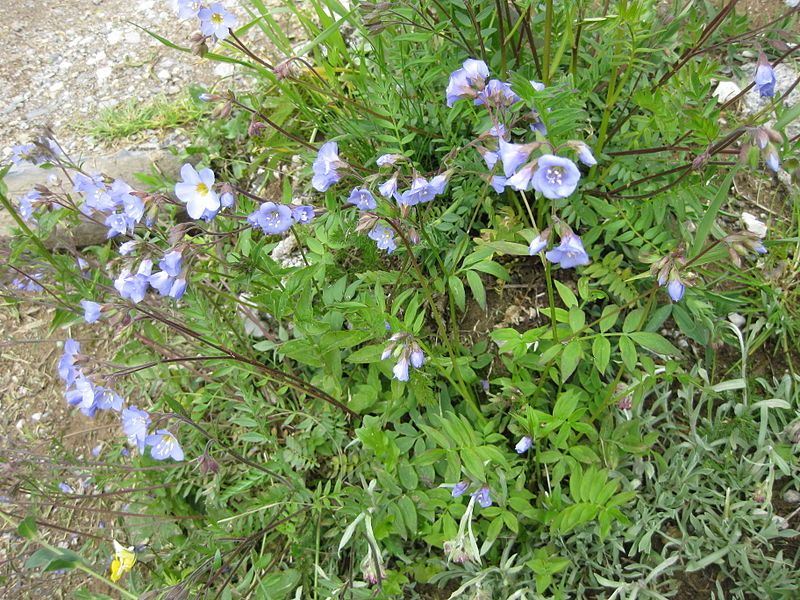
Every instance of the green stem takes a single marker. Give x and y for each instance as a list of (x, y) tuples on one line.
[(437, 316), (551, 299), (548, 38)]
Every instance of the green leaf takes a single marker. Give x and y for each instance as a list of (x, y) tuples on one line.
[(570, 358), (601, 352), (628, 351), (577, 319), (457, 290), (473, 463), (654, 342), (27, 528), (367, 354), (567, 296), (509, 248), (790, 114), (704, 229), (478, 291), (609, 317)]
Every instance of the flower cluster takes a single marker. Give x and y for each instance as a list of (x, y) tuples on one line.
[(89, 397), (763, 140), (80, 390), (39, 153), (327, 166), (482, 494), (407, 352), (274, 219), (215, 21), (29, 283), (121, 207), (568, 254), (669, 272), (169, 281)]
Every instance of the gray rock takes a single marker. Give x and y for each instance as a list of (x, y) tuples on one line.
[(122, 165)]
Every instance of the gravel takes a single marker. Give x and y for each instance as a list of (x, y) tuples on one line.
[(72, 58)]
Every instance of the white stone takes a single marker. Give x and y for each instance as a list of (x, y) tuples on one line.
[(163, 74), (103, 73), (726, 90), (115, 37), (754, 225), (224, 69), (737, 319)]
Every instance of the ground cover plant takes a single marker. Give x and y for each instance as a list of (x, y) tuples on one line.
[(457, 301)]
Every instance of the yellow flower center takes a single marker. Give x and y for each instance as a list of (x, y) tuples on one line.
[(202, 188), (217, 18)]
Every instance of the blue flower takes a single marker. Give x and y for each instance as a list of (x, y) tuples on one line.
[(537, 124), (438, 184), (765, 77), (126, 248), (91, 311), (467, 81), (187, 9), (82, 395), (384, 238), (459, 489), (65, 488), (389, 187), (66, 364), (539, 243), (483, 496), (417, 357), (134, 286), (164, 445), (523, 445), (134, 424), (400, 370), (497, 93), (585, 155), (498, 183), (569, 253), (303, 214), (178, 288), (171, 263), (521, 180), (325, 167), (226, 199), (271, 218), (161, 281), (772, 161), (216, 21), (388, 159), (132, 207), (362, 198), (26, 206), (117, 224), (490, 157), (676, 289), (555, 177), (513, 155), (107, 399), (23, 153), (420, 192)]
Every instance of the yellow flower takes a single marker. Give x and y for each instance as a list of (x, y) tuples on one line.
[(124, 559)]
